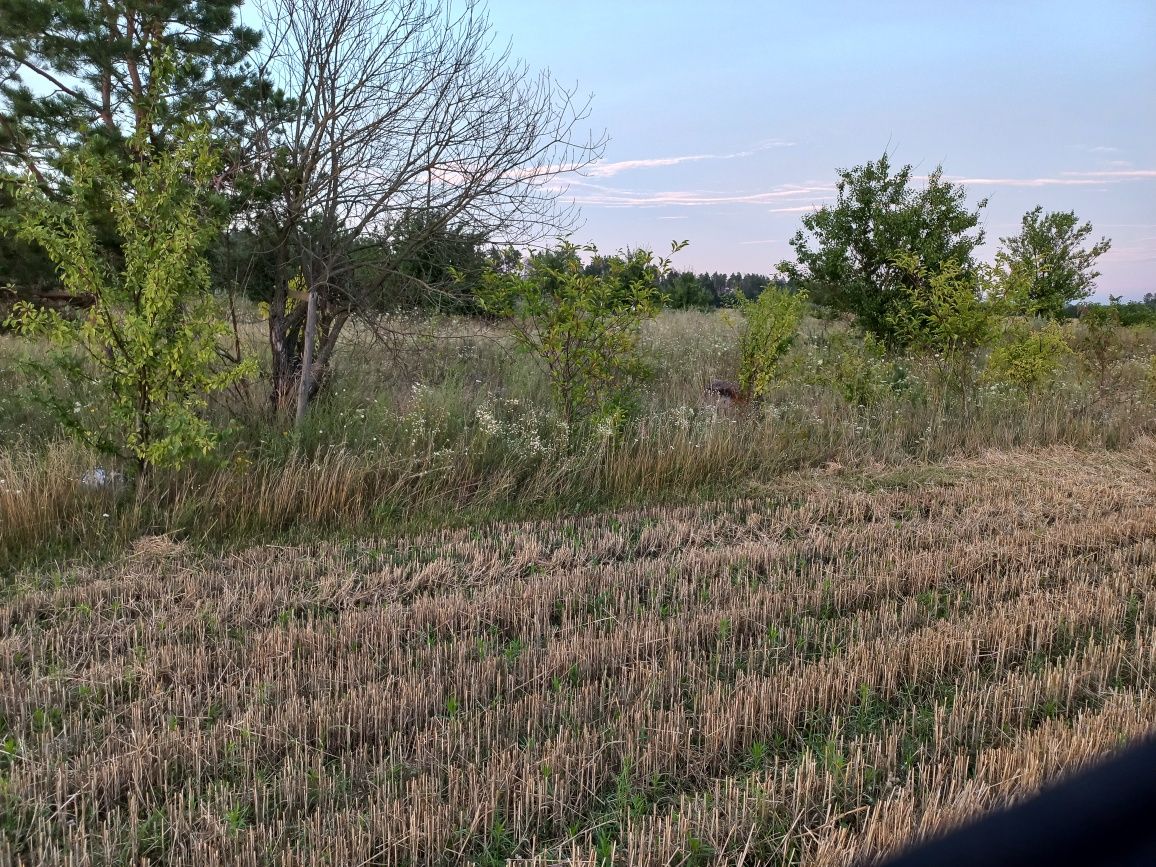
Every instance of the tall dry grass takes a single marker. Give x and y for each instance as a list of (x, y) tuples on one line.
[(450, 424)]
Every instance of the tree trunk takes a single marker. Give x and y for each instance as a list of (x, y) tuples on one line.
[(305, 385)]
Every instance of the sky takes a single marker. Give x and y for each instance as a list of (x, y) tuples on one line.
[(728, 120)]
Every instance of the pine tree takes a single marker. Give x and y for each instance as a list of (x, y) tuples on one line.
[(83, 73)]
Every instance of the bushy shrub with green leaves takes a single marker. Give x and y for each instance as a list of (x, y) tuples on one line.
[(1046, 265), (946, 318), (772, 323), (845, 254), (143, 359), (1028, 359), (1102, 346), (852, 365), (583, 328)]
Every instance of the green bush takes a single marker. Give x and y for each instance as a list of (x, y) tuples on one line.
[(142, 361), (1028, 359), (583, 328), (945, 319), (772, 325), (854, 367), (845, 255)]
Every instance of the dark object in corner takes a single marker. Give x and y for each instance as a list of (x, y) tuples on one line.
[(1104, 816)]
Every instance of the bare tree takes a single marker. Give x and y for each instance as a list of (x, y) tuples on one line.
[(397, 109)]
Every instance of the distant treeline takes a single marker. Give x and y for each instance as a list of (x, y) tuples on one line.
[(1142, 312)]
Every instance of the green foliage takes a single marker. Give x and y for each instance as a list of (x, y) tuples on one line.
[(847, 258), (431, 262), (1046, 265), (26, 269), (772, 325), (145, 356), (858, 370), (944, 316), (1102, 345), (686, 291), (582, 327), (1136, 313), (1028, 359), (80, 76), (79, 73)]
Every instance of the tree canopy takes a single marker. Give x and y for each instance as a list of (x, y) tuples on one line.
[(1047, 265), (846, 254)]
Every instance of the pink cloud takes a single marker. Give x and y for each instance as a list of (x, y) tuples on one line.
[(609, 170), (590, 194)]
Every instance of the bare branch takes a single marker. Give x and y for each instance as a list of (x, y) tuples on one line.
[(403, 108)]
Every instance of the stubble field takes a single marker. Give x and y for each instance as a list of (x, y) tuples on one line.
[(815, 676)]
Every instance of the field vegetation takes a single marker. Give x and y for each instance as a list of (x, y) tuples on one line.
[(352, 513), (815, 676), (453, 424)]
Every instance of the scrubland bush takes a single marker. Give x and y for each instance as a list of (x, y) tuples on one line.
[(772, 322), (945, 320), (1026, 358), (583, 328), (1103, 347), (138, 365)]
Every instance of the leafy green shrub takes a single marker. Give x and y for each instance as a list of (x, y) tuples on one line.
[(583, 328), (772, 325), (1102, 346), (1028, 359), (853, 366), (144, 358), (1046, 265), (845, 254), (945, 317)]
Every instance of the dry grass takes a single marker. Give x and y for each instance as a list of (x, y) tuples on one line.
[(448, 421), (813, 677)]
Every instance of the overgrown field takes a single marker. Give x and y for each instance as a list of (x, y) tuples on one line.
[(449, 419), (812, 676)]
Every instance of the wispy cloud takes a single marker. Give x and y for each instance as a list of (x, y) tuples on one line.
[(608, 197), (1095, 149), (609, 170), (1028, 182), (1066, 179), (1120, 174), (1135, 250)]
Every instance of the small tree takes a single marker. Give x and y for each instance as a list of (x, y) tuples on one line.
[(583, 328), (772, 324), (1102, 345), (145, 355), (945, 317), (1027, 359), (847, 257), (1046, 265)]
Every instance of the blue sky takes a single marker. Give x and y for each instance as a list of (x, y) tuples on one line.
[(727, 120)]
